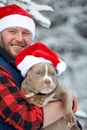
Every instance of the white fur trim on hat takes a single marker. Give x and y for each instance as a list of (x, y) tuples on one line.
[(16, 20), (28, 62), (61, 67)]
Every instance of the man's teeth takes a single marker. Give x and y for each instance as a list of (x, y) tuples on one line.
[(17, 46)]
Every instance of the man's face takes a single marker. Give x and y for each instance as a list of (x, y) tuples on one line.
[(14, 40)]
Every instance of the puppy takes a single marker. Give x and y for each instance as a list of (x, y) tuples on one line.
[(41, 85)]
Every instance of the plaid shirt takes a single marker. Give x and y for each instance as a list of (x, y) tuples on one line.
[(14, 108)]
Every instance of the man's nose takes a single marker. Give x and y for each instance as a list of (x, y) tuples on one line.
[(19, 37)]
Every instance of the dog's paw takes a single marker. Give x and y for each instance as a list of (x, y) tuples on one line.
[(41, 102), (48, 99), (70, 119), (37, 100)]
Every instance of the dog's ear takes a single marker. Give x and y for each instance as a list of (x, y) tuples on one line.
[(29, 75), (24, 86)]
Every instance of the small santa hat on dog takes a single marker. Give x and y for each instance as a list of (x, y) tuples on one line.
[(15, 16), (37, 53)]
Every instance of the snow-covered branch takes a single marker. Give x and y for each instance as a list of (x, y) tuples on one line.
[(34, 8)]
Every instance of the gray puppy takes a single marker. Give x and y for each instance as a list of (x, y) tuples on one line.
[(41, 85)]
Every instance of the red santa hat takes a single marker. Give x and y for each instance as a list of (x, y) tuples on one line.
[(15, 16), (37, 53)]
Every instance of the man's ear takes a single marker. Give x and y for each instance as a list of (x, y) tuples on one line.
[(0, 38), (75, 104)]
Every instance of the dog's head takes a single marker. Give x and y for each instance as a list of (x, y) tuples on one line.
[(41, 78)]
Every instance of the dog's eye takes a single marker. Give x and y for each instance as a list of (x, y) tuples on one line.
[(53, 74), (38, 72)]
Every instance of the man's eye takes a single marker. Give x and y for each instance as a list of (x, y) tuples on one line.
[(13, 32), (27, 33)]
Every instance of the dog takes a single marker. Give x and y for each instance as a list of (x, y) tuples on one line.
[(41, 85)]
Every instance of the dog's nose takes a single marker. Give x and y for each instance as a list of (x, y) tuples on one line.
[(47, 81)]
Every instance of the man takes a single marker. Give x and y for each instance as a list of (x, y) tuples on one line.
[(17, 29)]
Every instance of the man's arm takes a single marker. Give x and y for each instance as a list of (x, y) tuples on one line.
[(18, 112), (52, 112), (14, 108)]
